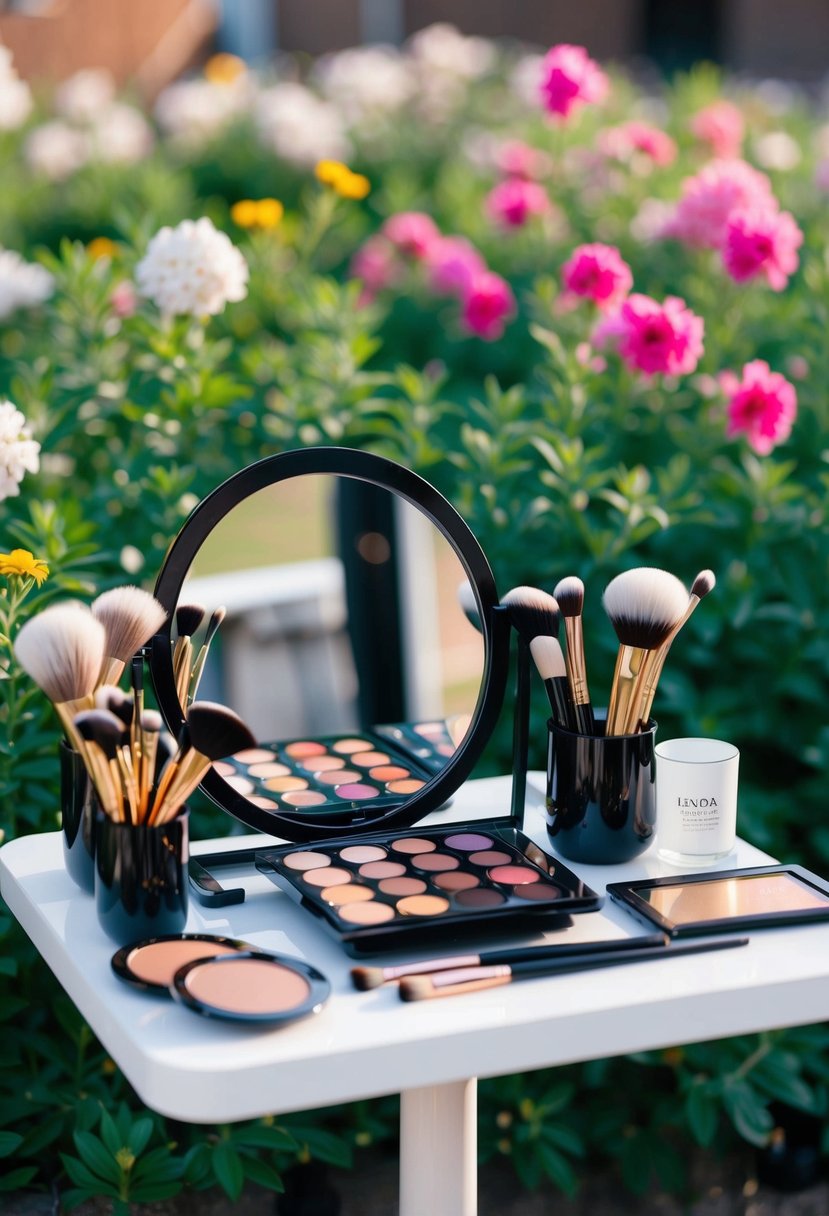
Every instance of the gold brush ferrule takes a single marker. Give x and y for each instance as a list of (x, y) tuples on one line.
[(574, 658)]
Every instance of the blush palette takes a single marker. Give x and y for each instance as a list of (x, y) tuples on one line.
[(382, 893)]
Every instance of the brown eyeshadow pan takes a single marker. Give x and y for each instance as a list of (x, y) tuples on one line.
[(538, 890), (458, 880), (402, 886), (413, 844), (435, 862), (382, 869), (490, 857), (480, 897)]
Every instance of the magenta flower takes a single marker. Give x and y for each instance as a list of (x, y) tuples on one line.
[(762, 406), (652, 337), (512, 202), (569, 79), (702, 213), (720, 125), (488, 303), (762, 240), (623, 142), (597, 273), (375, 264), (412, 232), (453, 263)]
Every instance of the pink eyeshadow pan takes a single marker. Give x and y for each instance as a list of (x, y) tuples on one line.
[(428, 729), (466, 842), (513, 875), (240, 784), (413, 844), (435, 862), (367, 914), (266, 803), (382, 869), (402, 886), (359, 853), (459, 881), (490, 857), (338, 776), (253, 755), (269, 770), (329, 877), (445, 749), (305, 860), (299, 751), (369, 759), (347, 746), (356, 791), (304, 798), (223, 768), (348, 893), (323, 764)]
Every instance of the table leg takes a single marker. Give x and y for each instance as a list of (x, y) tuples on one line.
[(438, 1150)]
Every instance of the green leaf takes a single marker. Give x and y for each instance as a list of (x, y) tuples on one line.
[(702, 1113), (227, 1167), (94, 1155), (263, 1174), (9, 1141)]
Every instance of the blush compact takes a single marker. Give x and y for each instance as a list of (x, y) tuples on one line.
[(372, 693)]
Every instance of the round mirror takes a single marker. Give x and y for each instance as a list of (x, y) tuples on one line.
[(368, 681)]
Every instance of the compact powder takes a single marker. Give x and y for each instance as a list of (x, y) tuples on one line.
[(338, 776), (305, 798), (409, 786), (307, 861), (367, 914), (413, 844), (382, 869), (351, 894), (299, 751), (223, 768), (323, 764), (388, 772), (359, 853), (253, 755), (490, 857), (422, 905), (329, 877), (513, 875), (480, 897), (268, 770), (538, 890), (356, 791), (348, 746), (157, 962), (369, 759), (435, 862), (460, 881), (467, 842), (402, 886), (284, 785), (240, 784), (247, 986)]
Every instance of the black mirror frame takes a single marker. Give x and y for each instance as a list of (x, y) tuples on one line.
[(386, 474)]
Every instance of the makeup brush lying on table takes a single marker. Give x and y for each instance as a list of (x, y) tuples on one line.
[(130, 617), (569, 594), (535, 616)]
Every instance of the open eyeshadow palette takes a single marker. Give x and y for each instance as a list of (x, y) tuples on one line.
[(382, 893), (339, 773)]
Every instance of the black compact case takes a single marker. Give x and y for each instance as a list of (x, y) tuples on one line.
[(498, 880)]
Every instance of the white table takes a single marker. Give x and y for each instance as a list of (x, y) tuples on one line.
[(365, 1044)]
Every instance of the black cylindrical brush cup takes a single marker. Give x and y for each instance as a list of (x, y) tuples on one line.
[(141, 880), (79, 807), (601, 793)]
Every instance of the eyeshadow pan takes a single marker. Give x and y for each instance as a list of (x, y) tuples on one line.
[(490, 857), (157, 962), (272, 769), (356, 791), (413, 844), (240, 784), (422, 905), (350, 894), (457, 881), (267, 804), (328, 877), (359, 853), (513, 875), (402, 886), (247, 986), (305, 798), (427, 729), (435, 862), (337, 777), (281, 785), (223, 768), (253, 755), (369, 759), (347, 746), (300, 750), (445, 749), (467, 842), (304, 859), (388, 772), (367, 914), (408, 786), (480, 897), (538, 890), (323, 764), (382, 869)]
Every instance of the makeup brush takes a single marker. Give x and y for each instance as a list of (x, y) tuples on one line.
[(62, 649), (476, 979), (188, 618), (703, 584), (643, 605), (535, 616), (569, 594), (102, 733), (209, 733), (366, 978), (130, 617), (151, 724), (216, 618), (466, 599)]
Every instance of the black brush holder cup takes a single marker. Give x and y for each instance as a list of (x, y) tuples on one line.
[(141, 878), (79, 807), (601, 793)]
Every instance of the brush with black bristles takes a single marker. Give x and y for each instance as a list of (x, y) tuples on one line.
[(703, 584), (103, 733), (209, 733), (216, 618), (644, 605), (130, 617), (121, 704), (62, 649), (569, 594), (145, 760), (535, 616), (188, 619)]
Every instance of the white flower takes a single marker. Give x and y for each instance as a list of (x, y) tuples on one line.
[(192, 269), (777, 150), (366, 82), (19, 453), (191, 111), (83, 96), (525, 80), (444, 48), (122, 135), (56, 150), (299, 126), (22, 284), (15, 96)]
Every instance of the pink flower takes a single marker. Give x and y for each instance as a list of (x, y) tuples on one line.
[(488, 303), (412, 232), (653, 337), (512, 202), (517, 159), (375, 264), (631, 137), (762, 406), (569, 79), (762, 240), (452, 264), (708, 198), (822, 175), (721, 126), (124, 300), (597, 273)]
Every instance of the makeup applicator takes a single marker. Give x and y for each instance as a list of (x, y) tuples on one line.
[(62, 649), (216, 618), (130, 617), (188, 618), (535, 616), (569, 594), (703, 584), (644, 605), (103, 734), (209, 733)]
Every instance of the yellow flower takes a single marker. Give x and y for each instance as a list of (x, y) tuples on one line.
[(244, 213), (329, 172), (102, 247), (352, 185), (264, 213), (23, 564), (224, 68)]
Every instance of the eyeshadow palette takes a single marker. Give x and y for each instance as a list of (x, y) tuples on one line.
[(381, 893)]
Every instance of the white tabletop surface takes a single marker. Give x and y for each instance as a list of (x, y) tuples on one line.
[(364, 1044)]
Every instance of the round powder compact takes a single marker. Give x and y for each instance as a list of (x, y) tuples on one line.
[(251, 987), (151, 964)]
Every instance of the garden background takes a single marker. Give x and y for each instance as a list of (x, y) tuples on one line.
[(589, 304)]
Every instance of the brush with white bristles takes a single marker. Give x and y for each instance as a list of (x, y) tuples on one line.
[(703, 584), (130, 617), (569, 594), (62, 649), (535, 616), (644, 605)]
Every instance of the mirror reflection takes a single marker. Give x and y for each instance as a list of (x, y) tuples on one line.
[(345, 645)]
